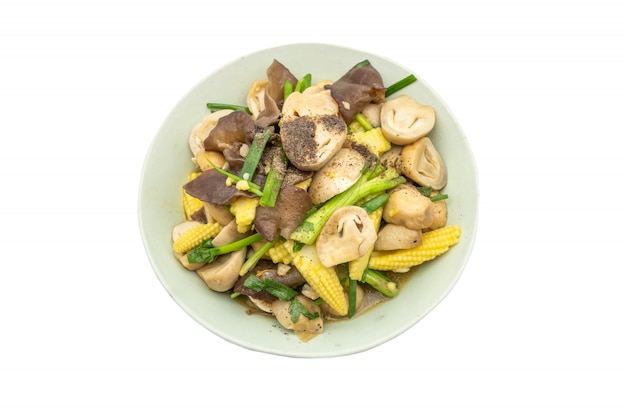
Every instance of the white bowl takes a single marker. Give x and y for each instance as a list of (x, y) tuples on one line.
[(168, 163)]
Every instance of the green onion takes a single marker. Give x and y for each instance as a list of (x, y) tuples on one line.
[(254, 154), (363, 121), (222, 106), (393, 88), (275, 288), (296, 308), (375, 203), (352, 297)]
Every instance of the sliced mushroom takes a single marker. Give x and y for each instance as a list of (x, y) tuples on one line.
[(403, 120), (313, 101), (237, 126), (422, 163), (393, 158), (311, 141), (393, 236), (409, 208), (219, 213), (229, 234), (281, 310), (256, 97), (184, 261), (343, 170), (206, 159), (221, 274), (348, 235), (200, 131), (372, 112)]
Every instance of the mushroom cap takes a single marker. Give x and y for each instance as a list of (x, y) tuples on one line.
[(201, 130), (311, 141), (280, 309), (343, 170), (422, 163), (221, 274), (393, 236), (348, 234), (403, 120), (314, 101), (409, 208)]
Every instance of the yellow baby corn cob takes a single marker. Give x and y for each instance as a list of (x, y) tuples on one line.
[(323, 280), (373, 139), (244, 209), (280, 254), (434, 243), (191, 204), (357, 267), (194, 236)]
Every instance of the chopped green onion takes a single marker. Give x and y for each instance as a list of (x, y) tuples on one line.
[(275, 288), (287, 89), (375, 203), (352, 297), (393, 88), (363, 121), (222, 106), (296, 308), (254, 154), (303, 83)]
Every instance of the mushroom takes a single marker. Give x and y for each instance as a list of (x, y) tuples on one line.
[(219, 213), (422, 163), (372, 112), (221, 274), (201, 131), (229, 234), (288, 213), (314, 101), (403, 120), (311, 141), (393, 236), (393, 158), (256, 97), (357, 88), (284, 313), (206, 159), (237, 126), (408, 207), (348, 234), (343, 170), (440, 213)]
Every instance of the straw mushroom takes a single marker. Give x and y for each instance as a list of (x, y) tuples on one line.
[(343, 170), (422, 163), (284, 313), (403, 120), (409, 208), (221, 274), (311, 141), (348, 235), (393, 236)]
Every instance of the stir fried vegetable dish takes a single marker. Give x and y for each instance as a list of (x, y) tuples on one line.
[(308, 201)]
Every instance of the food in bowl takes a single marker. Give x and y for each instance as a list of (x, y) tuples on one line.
[(313, 200)]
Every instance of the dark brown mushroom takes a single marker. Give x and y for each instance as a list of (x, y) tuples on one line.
[(287, 214), (237, 126), (210, 186), (357, 88)]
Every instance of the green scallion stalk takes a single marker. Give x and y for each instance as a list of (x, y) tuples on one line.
[(351, 297), (207, 253), (375, 203), (303, 83), (256, 256), (275, 288), (224, 106), (395, 87), (287, 89), (363, 121), (380, 282), (254, 154)]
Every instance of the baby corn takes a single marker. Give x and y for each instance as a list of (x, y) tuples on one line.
[(194, 236), (434, 243)]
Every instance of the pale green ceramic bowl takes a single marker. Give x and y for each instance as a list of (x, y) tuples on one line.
[(168, 163)]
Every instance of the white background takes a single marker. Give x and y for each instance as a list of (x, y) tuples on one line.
[(535, 326)]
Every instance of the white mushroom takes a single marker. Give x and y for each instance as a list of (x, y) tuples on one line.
[(422, 163), (372, 112), (403, 120), (201, 130), (221, 274), (343, 170), (393, 236), (206, 159), (440, 213), (311, 141), (348, 235), (219, 213), (283, 313), (314, 101), (409, 208), (256, 97)]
